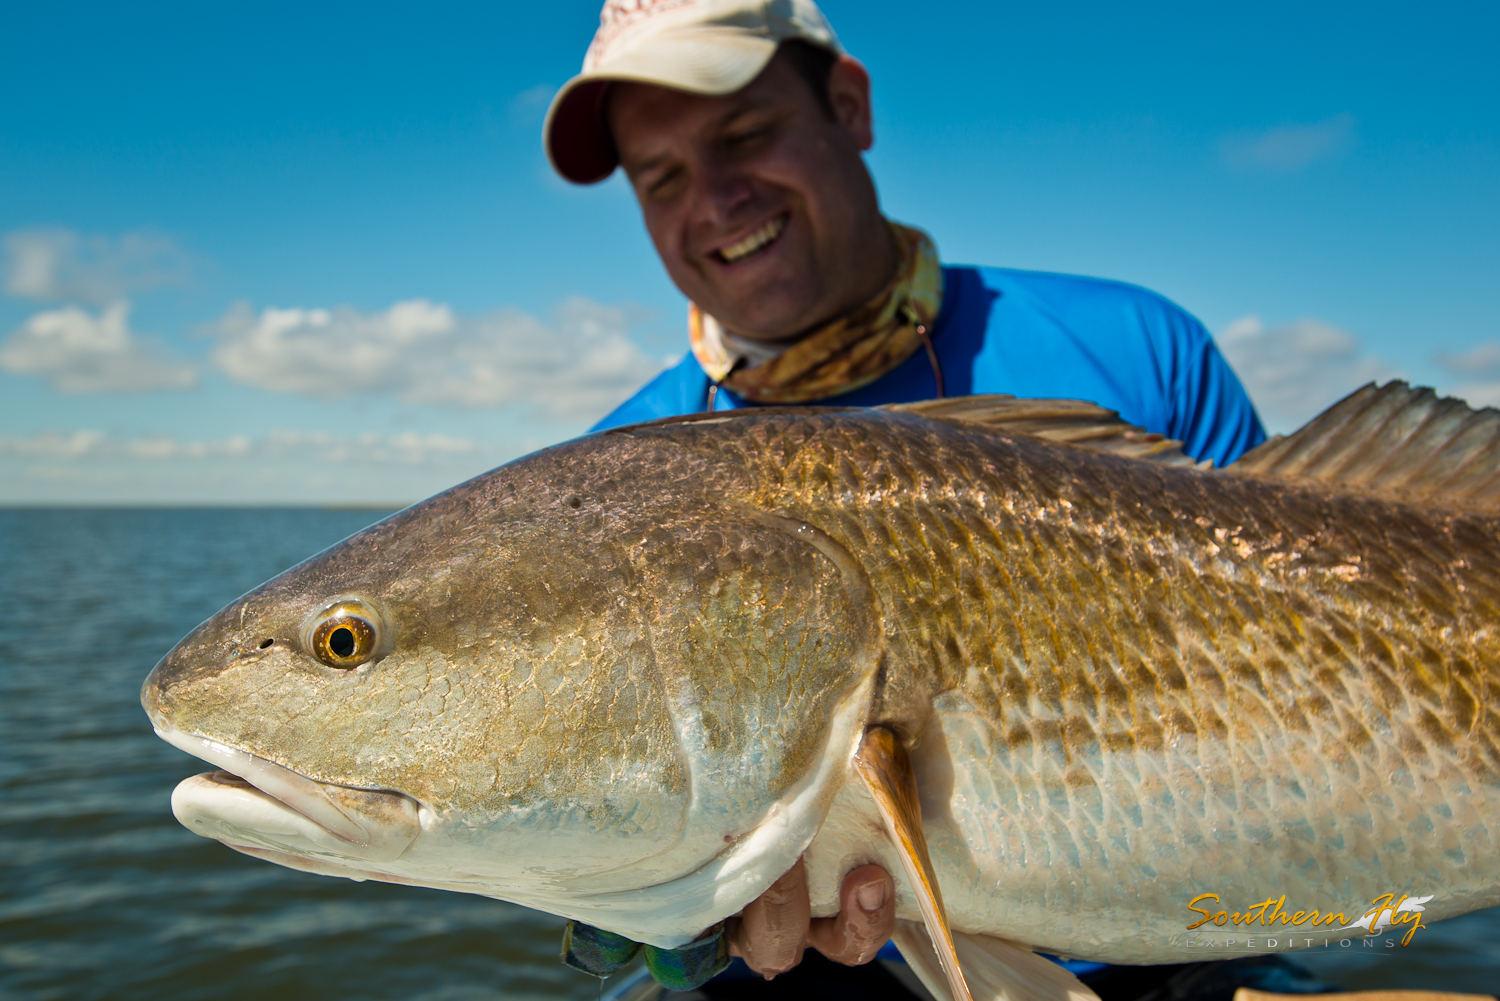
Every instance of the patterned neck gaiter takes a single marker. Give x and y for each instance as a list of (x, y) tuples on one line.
[(852, 351)]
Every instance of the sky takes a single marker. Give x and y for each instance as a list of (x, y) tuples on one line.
[(313, 253)]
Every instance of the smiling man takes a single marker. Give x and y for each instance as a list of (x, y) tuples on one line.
[(741, 125)]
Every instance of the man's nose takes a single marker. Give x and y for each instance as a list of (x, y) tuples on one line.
[(721, 193)]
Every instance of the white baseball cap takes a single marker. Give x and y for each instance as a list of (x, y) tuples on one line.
[(701, 46)]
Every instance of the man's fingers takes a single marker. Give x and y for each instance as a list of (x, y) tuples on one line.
[(775, 928), (772, 930), (866, 918)]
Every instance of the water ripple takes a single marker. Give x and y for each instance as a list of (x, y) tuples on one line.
[(104, 895)]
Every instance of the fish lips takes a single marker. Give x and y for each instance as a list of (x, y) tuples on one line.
[(255, 803)]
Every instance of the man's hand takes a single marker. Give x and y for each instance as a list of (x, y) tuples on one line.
[(774, 929)]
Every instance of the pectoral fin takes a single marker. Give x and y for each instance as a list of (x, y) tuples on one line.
[(1001, 970), (883, 764), (998, 970)]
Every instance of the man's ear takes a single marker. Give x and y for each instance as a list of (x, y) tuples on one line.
[(849, 94)]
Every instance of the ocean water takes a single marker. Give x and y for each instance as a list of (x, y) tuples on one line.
[(103, 894)]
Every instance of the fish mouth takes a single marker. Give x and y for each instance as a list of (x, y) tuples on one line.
[(254, 803)]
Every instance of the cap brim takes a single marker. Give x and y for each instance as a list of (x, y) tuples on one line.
[(701, 61)]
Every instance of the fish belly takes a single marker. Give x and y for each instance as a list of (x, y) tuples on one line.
[(1104, 867)]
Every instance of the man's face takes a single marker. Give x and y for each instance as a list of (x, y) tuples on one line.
[(759, 204)]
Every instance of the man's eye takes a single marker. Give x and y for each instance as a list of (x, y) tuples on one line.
[(662, 183), (746, 138)]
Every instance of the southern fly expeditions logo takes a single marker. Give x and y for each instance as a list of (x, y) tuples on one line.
[(1219, 929)]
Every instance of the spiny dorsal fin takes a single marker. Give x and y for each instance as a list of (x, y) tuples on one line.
[(1072, 422), (1393, 441)]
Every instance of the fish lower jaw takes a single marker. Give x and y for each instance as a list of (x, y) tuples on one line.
[(257, 802)]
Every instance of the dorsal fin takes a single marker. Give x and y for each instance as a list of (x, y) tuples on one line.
[(1071, 422), (1395, 442)]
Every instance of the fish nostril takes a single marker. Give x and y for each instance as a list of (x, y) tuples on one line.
[(574, 503), (265, 643)]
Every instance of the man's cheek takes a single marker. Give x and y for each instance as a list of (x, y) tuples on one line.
[(669, 247), (688, 273)]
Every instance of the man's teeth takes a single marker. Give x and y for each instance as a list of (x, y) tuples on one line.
[(753, 242)]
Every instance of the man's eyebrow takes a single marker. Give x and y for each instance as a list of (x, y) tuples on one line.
[(641, 166), (746, 107)]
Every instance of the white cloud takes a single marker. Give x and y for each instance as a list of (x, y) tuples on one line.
[(277, 467), (79, 352), (62, 265), (1479, 368), (53, 444), (407, 448), (575, 368), (530, 105), (328, 353), (1291, 147), (1480, 360), (1296, 371)]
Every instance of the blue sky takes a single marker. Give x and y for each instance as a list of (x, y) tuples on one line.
[(182, 184)]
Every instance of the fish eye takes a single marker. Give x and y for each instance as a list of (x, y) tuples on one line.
[(344, 635)]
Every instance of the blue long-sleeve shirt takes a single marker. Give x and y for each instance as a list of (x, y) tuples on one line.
[(1039, 335), (1032, 334)]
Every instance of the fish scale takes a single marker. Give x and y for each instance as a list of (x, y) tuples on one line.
[(1250, 663), (626, 678)]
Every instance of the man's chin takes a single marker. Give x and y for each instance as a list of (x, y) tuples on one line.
[(773, 296), (773, 315)]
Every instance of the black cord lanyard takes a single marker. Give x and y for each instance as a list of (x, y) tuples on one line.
[(713, 387), (937, 366)]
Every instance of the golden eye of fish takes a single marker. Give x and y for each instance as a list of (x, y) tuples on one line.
[(345, 635)]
